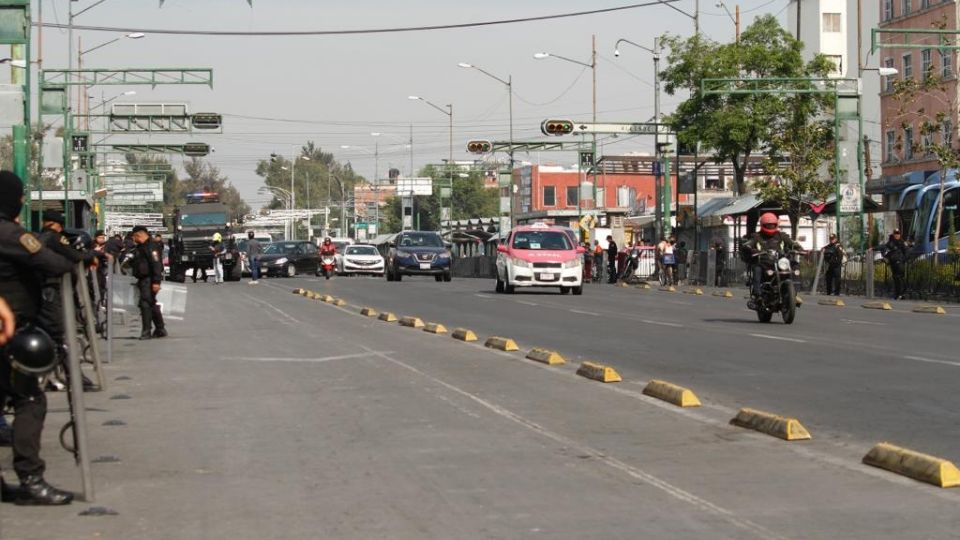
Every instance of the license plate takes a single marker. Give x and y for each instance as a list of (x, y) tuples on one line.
[(263, 268), (228, 256), (184, 258), (547, 277), (424, 266)]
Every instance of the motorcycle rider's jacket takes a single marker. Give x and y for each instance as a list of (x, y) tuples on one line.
[(758, 243)]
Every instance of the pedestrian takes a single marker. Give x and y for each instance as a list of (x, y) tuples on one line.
[(895, 252), (612, 252), (597, 261), (254, 250), (682, 252), (24, 264), (216, 248), (720, 254), (833, 265), (148, 269)]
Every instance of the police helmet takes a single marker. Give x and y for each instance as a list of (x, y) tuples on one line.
[(31, 351)]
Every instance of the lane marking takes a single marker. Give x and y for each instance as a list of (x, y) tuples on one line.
[(854, 321), (662, 323), (932, 361), (487, 296), (598, 455), (779, 338), (277, 310), (584, 312), (524, 302), (307, 360)]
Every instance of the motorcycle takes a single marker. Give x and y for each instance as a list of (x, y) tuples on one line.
[(777, 290), (327, 263), (631, 264)]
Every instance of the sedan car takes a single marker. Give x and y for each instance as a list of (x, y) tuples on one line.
[(289, 259), (419, 253), (539, 255), (360, 259)]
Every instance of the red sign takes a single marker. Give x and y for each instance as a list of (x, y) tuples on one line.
[(817, 208)]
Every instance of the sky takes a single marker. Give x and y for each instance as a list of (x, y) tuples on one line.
[(276, 93)]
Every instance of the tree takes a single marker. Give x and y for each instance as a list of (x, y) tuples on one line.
[(470, 199), (735, 127)]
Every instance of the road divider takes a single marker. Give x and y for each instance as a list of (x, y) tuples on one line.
[(599, 372), (411, 322), (326, 298), (696, 291), (463, 334), (788, 429), (501, 343), (368, 312), (885, 306), (936, 310), (386, 316), (545, 356), (830, 302), (310, 294), (298, 291), (723, 294), (923, 467), (435, 328), (339, 302), (643, 286), (671, 393), (668, 289)]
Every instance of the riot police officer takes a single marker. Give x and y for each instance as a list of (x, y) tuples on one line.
[(24, 263), (147, 267), (52, 238)]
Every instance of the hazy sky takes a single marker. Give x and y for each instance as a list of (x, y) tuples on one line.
[(336, 90)]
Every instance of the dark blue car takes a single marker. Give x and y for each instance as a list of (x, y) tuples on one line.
[(418, 253)]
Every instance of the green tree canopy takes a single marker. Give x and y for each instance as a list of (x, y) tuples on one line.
[(470, 199)]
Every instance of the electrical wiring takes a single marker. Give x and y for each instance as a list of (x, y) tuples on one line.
[(282, 33), (554, 100)]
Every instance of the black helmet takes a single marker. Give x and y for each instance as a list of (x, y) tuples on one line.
[(31, 351)]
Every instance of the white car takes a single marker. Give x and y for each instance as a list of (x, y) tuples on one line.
[(360, 259)]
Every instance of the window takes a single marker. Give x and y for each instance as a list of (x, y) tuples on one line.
[(908, 143), (887, 10), (907, 66), (946, 133), (904, 8), (926, 142), (572, 196), (542, 240), (946, 61), (831, 22), (837, 61), (924, 4), (549, 196), (888, 80), (926, 64), (889, 146)]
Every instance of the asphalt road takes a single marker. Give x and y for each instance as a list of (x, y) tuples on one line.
[(268, 415), (854, 375)]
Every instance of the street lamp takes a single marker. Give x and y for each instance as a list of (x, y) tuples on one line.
[(293, 194), (83, 88), (509, 84), (284, 197), (449, 113)]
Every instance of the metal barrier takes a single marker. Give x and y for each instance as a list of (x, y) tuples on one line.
[(78, 411)]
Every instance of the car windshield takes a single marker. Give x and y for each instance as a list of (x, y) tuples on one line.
[(212, 218), (541, 240), (420, 240), (281, 248), (361, 250)]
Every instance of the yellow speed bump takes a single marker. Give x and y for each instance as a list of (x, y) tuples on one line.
[(435, 328), (544, 356), (696, 290), (922, 467), (671, 393), (668, 289), (622, 284), (387, 317), (298, 291), (599, 372), (339, 302), (885, 306), (723, 294), (501, 343), (368, 312), (788, 429), (411, 322), (936, 310), (325, 298), (463, 334), (830, 302), (643, 285)]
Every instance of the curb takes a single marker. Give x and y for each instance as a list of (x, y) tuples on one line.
[(788, 429), (368, 312), (599, 372), (387, 317), (463, 334), (830, 302), (885, 306), (545, 356), (671, 393), (435, 328), (501, 343), (723, 294), (697, 291), (936, 310), (922, 467), (411, 322)]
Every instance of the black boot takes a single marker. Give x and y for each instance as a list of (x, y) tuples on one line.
[(160, 332), (8, 493), (145, 334), (35, 491)]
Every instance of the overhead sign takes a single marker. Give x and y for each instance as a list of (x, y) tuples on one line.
[(134, 193), (850, 198), (415, 186)]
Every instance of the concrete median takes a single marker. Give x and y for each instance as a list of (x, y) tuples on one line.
[(923, 467), (671, 393), (788, 429), (462, 334), (545, 356), (599, 372), (501, 343)]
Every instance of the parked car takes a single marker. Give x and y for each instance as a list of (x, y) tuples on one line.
[(419, 253), (289, 259), (539, 255), (361, 259)]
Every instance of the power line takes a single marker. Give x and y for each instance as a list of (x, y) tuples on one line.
[(355, 32)]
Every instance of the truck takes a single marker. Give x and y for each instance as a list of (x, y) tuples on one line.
[(194, 226)]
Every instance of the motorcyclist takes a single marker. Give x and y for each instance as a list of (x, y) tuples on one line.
[(328, 247), (769, 237)]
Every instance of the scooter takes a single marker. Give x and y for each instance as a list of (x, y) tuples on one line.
[(326, 264)]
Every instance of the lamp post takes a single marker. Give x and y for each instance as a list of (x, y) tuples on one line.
[(509, 84), (284, 197), (450, 165), (293, 193)]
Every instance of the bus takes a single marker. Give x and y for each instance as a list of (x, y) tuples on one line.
[(918, 215)]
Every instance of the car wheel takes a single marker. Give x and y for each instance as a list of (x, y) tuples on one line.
[(499, 284), (438, 278), (291, 270), (564, 290), (577, 291), (447, 277)]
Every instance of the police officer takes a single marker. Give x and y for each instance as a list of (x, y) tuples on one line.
[(895, 251), (52, 238), (147, 267), (24, 263), (833, 258)]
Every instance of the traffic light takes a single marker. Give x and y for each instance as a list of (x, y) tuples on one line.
[(196, 149), (479, 147), (556, 127), (207, 121)]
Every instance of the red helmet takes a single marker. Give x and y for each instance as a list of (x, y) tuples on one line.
[(769, 224)]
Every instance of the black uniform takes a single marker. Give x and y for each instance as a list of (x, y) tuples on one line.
[(24, 264), (147, 267), (758, 243), (895, 251), (612, 253), (833, 259), (51, 310)]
